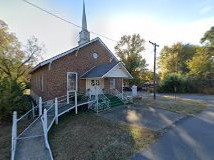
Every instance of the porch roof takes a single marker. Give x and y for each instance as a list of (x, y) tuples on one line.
[(107, 70)]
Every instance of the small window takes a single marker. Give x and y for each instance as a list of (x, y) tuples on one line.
[(95, 55), (112, 83)]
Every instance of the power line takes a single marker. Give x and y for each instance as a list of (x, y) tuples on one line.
[(67, 21)]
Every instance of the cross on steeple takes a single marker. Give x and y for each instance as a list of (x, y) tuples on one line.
[(84, 35)]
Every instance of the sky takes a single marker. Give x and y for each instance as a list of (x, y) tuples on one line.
[(162, 21)]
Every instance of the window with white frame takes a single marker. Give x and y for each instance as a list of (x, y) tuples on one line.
[(71, 81), (112, 83)]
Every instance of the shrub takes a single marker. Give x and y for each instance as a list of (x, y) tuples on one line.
[(173, 82), (12, 98)]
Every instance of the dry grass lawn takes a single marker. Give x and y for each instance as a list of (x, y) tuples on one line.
[(90, 137), (183, 106)]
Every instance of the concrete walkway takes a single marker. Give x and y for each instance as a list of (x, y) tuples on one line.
[(32, 148), (152, 118), (190, 139)]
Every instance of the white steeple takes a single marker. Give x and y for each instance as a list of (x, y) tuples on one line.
[(84, 35)]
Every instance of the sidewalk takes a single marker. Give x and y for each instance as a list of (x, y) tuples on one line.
[(32, 148)]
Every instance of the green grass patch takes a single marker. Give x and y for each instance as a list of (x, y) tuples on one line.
[(88, 136)]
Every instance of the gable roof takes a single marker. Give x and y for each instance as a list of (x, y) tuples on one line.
[(103, 70), (98, 71), (41, 64)]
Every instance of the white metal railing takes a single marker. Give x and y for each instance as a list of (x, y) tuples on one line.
[(101, 103), (15, 125), (53, 111), (122, 96), (48, 112)]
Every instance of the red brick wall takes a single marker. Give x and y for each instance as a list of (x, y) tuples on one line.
[(55, 81), (118, 84)]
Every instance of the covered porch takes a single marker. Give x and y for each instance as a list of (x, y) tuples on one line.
[(104, 81)]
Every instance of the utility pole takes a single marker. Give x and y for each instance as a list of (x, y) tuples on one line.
[(154, 76)]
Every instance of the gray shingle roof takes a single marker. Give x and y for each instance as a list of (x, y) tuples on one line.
[(99, 70)]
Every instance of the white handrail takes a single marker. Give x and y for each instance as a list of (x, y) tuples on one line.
[(27, 113), (44, 120)]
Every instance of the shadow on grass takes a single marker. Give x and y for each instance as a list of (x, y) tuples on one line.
[(88, 136)]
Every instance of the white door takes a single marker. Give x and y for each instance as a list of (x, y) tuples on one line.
[(95, 85)]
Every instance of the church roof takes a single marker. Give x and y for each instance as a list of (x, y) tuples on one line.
[(110, 70), (41, 64), (98, 71)]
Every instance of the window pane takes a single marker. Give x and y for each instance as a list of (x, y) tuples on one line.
[(72, 78)]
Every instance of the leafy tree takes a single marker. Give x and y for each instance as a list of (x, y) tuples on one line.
[(128, 49), (174, 58), (15, 62), (173, 82), (201, 65), (208, 38), (12, 98)]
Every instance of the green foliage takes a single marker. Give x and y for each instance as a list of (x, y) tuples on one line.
[(201, 65), (128, 50), (12, 99), (172, 83), (174, 58), (15, 63), (196, 63)]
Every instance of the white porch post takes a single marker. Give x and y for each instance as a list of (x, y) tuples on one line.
[(75, 102), (97, 98), (67, 97), (33, 110), (46, 127), (14, 134), (122, 89), (40, 106), (56, 111)]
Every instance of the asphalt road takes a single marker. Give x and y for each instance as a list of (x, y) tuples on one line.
[(191, 139)]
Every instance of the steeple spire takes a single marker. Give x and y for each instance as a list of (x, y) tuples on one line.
[(84, 21), (84, 35)]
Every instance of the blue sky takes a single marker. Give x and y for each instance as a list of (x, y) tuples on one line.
[(162, 21)]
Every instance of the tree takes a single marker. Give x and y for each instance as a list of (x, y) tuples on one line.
[(15, 63), (173, 59), (201, 65), (208, 38), (128, 49), (172, 83)]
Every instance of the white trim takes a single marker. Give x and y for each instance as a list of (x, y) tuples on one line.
[(116, 66), (72, 50), (92, 78), (76, 87), (127, 70)]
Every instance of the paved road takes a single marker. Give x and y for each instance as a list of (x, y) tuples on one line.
[(199, 97), (191, 139)]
